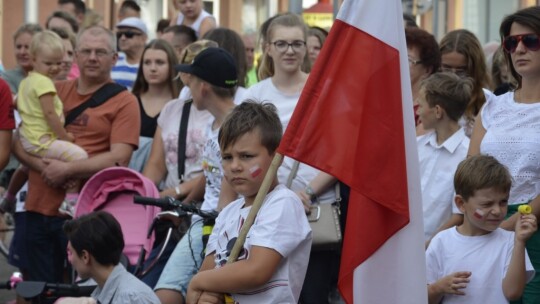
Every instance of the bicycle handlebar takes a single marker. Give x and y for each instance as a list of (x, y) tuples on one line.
[(168, 203), (33, 289)]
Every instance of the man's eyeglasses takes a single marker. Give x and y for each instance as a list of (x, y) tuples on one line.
[(530, 41), (100, 53), (283, 46), (128, 34)]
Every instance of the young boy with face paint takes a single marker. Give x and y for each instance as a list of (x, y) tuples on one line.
[(478, 262), (272, 264), (212, 81)]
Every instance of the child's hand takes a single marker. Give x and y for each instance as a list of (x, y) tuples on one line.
[(70, 137), (454, 283), (192, 294), (211, 298), (525, 227)]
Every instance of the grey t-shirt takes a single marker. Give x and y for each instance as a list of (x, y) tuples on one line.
[(123, 287)]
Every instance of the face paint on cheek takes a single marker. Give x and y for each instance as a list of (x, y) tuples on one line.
[(255, 171), (479, 214)]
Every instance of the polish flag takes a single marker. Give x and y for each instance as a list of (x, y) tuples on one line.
[(355, 121)]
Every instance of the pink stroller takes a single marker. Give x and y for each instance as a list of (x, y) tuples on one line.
[(112, 190)]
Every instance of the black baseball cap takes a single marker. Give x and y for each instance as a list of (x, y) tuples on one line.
[(213, 65)]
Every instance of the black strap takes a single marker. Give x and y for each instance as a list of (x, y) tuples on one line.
[(99, 97), (182, 136)]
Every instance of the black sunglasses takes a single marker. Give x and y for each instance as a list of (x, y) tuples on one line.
[(128, 34), (530, 41)]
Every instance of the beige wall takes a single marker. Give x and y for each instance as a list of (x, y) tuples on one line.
[(12, 16)]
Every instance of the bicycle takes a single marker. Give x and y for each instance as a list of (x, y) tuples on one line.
[(177, 208)]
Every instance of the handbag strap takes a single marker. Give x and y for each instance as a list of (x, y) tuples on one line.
[(292, 175), (102, 95), (294, 171), (182, 136)]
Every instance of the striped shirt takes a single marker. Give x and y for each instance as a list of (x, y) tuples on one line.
[(124, 73)]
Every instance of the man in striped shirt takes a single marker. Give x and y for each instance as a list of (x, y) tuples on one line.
[(132, 35)]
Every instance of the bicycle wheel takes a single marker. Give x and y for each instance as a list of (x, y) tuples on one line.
[(7, 227)]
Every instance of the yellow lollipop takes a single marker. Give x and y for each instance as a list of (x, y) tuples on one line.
[(525, 209)]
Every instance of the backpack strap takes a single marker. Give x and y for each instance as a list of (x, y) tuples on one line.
[(99, 97), (182, 136)]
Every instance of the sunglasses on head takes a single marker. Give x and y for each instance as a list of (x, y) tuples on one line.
[(530, 41), (128, 34)]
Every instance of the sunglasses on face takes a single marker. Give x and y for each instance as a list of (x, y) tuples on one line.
[(530, 41), (128, 34)]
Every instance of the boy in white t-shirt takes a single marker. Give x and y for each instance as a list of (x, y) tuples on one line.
[(273, 261), (478, 262), (442, 101), (212, 80)]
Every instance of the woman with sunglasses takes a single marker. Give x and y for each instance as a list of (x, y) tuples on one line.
[(462, 54), (282, 81), (507, 127), (154, 86)]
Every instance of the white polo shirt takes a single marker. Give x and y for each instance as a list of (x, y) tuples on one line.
[(438, 164)]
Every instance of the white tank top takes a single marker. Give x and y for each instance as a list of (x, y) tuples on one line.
[(197, 24)]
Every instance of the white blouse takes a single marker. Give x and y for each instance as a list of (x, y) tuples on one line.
[(513, 137)]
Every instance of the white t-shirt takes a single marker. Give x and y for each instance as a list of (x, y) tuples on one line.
[(169, 122), (281, 225), (213, 171), (487, 257), (266, 91), (185, 94), (196, 26), (438, 165), (513, 138)]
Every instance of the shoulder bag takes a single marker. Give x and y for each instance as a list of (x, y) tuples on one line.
[(99, 97), (323, 219)]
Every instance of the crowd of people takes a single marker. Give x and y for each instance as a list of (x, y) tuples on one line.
[(196, 114)]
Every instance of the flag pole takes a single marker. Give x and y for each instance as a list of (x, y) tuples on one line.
[(259, 199)]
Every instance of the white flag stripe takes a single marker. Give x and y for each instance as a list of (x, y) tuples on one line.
[(396, 272)]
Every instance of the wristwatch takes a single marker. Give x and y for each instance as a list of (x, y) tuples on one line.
[(309, 191)]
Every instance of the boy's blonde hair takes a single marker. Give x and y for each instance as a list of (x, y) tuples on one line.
[(481, 172), (193, 49), (250, 116), (449, 91), (48, 39)]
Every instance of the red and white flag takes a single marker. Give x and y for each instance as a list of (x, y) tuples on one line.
[(354, 120)]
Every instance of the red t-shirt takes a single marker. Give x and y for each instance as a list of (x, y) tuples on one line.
[(7, 118)]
